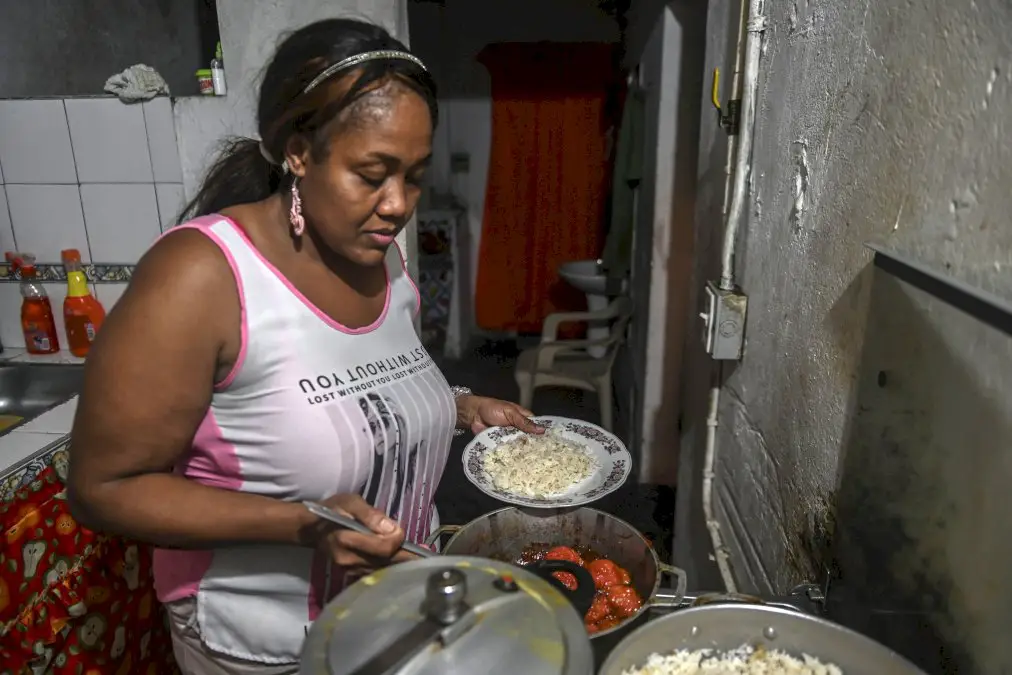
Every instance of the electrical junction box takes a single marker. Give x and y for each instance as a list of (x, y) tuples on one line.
[(724, 322)]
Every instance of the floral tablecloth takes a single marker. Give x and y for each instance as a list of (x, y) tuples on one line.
[(25, 472), (72, 602)]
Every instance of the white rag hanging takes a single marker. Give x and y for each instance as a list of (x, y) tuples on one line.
[(137, 83)]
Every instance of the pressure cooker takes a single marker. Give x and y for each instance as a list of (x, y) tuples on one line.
[(449, 615), (504, 534)]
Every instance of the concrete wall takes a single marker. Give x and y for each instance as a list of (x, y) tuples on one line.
[(69, 47), (866, 430)]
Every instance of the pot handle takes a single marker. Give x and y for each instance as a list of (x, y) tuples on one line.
[(666, 597), (434, 538), (727, 599)]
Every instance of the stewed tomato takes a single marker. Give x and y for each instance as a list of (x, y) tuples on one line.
[(615, 599), (623, 600), (605, 573), (564, 553)]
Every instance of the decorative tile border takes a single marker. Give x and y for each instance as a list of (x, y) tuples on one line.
[(22, 474), (97, 273)]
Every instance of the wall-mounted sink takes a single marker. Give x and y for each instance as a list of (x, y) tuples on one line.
[(29, 389), (589, 277)]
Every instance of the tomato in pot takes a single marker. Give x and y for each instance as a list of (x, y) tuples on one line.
[(564, 553), (568, 580), (569, 555), (615, 599), (623, 600), (606, 573), (598, 611)]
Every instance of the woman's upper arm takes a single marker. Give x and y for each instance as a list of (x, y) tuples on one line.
[(150, 374)]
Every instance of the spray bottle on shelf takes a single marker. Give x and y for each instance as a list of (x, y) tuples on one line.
[(37, 320), (82, 313), (218, 72)]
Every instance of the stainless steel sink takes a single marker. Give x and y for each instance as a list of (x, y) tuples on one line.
[(29, 389)]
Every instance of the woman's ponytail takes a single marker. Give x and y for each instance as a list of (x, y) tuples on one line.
[(240, 175)]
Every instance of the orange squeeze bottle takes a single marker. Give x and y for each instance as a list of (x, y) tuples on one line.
[(83, 314), (37, 320)]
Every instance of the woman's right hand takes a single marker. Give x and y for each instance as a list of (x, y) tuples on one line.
[(353, 549)]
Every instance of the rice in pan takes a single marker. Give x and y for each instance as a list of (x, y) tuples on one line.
[(745, 660)]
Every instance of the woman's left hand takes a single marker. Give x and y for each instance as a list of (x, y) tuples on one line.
[(478, 413)]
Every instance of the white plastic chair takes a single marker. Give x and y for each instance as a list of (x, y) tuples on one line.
[(566, 363)]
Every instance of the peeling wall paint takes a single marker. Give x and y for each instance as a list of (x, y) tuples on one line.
[(884, 122), (799, 155)]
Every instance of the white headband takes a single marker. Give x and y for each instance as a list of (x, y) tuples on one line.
[(342, 65)]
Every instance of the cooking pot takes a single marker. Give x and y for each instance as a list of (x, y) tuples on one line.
[(504, 534), (727, 627), (448, 615)]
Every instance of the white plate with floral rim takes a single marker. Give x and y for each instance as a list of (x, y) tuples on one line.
[(612, 459)]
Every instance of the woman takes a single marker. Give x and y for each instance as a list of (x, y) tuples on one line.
[(264, 355)]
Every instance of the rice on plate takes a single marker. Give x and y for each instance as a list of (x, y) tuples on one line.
[(746, 660), (539, 466)]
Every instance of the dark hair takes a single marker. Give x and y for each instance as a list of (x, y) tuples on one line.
[(241, 174)]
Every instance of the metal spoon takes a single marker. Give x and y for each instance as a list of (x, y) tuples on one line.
[(321, 511)]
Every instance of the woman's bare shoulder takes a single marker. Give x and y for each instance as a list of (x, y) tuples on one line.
[(186, 274), (185, 248)]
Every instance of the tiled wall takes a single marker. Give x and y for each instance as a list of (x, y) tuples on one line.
[(88, 173)]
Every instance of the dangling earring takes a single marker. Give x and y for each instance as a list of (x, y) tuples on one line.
[(295, 214)]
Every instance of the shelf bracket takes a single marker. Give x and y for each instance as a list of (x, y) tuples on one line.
[(986, 307)]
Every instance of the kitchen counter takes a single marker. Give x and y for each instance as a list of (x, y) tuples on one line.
[(71, 599), (31, 447)]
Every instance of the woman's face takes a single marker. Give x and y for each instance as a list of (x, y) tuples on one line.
[(362, 193)]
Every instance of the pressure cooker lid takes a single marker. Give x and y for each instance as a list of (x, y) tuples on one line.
[(446, 615)]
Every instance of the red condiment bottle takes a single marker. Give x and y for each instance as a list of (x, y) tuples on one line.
[(37, 320)]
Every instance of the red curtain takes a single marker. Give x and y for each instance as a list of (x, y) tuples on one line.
[(548, 173)]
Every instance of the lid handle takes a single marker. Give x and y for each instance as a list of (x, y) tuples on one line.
[(445, 596), (445, 610)]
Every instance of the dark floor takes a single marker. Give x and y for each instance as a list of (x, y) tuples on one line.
[(489, 372)]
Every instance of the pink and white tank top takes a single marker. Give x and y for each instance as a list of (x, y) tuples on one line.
[(311, 409)]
